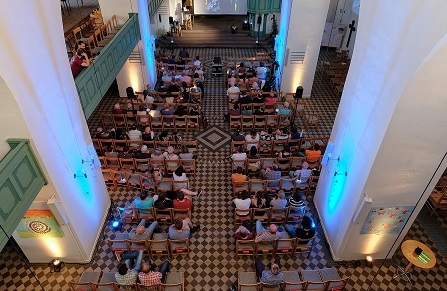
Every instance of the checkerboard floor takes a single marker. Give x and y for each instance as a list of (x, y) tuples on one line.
[(212, 264)]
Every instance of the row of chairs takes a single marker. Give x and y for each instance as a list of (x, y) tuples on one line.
[(162, 216), (287, 184), (326, 279), (285, 246), (285, 164), (101, 145), (159, 245), (105, 281), (289, 214), (160, 122), (143, 165), (259, 122), (141, 182), (267, 148)]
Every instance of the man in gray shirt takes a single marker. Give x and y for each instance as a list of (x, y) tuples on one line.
[(142, 233), (182, 228), (273, 276)]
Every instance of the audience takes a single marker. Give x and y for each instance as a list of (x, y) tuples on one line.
[(272, 276), (79, 61), (149, 277), (242, 204), (127, 272), (239, 176), (305, 232), (182, 228), (314, 154)]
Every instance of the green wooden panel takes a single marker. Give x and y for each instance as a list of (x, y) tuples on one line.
[(93, 82), (264, 6), (153, 7), (21, 179)]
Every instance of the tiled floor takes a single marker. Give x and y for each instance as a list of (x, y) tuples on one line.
[(212, 264)]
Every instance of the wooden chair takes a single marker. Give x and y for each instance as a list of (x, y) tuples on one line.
[(265, 248), (164, 184), (240, 218), (107, 121), (134, 181), (163, 216), (235, 122), (247, 281), (191, 146), (260, 122), (85, 282), (437, 201), (108, 177), (247, 122), (112, 163), (245, 248), (175, 281), (181, 213), (292, 281), (279, 215), (332, 279), (189, 165), (107, 282), (127, 164), (296, 213), (305, 245), (286, 245), (118, 245), (115, 24), (179, 247), (257, 185), (238, 187), (288, 185), (158, 245), (311, 119), (262, 214), (192, 122), (92, 47), (313, 279)]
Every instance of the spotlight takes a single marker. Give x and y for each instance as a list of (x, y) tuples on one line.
[(369, 261), (56, 265), (356, 263), (116, 224)]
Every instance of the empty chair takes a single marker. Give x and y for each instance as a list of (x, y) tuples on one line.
[(86, 280), (179, 247), (286, 245), (313, 278), (332, 279), (158, 245), (163, 216), (247, 281), (175, 281), (245, 248)]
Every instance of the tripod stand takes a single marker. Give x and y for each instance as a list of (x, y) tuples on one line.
[(172, 45), (258, 45)]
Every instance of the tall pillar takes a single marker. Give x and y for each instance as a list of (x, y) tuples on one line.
[(300, 32), (148, 41), (389, 133), (36, 70)]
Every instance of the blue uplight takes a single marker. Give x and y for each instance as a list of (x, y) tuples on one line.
[(116, 224)]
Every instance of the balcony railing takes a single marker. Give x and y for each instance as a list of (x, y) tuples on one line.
[(264, 6), (93, 82), (153, 7), (21, 179)]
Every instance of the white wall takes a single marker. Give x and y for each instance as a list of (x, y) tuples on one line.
[(390, 113), (306, 26), (117, 7), (44, 90)]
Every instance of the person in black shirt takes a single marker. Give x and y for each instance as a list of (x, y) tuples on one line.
[(306, 231)]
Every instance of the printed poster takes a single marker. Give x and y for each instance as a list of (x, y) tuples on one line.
[(386, 220), (39, 223)]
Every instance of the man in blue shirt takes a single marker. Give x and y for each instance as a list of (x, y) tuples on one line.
[(273, 276)]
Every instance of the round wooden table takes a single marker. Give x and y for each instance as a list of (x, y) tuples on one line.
[(408, 248)]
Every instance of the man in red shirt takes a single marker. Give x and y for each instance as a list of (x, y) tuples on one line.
[(79, 61), (182, 202)]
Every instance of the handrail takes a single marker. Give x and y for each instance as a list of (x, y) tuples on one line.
[(93, 82), (153, 7)]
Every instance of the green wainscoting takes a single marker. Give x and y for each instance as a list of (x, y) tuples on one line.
[(21, 179), (264, 6), (93, 82)]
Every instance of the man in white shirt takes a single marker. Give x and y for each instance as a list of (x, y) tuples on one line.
[(239, 157), (253, 138), (233, 90), (134, 134)]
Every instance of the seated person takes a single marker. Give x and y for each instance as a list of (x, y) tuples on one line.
[(281, 134), (312, 156), (242, 232), (273, 276), (110, 153), (237, 136), (143, 153), (148, 134), (141, 232), (263, 234), (126, 153), (284, 109), (134, 135), (239, 176), (239, 157), (233, 90), (246, 110), (235, 110), (163, 202), (117, 109), (186, 155), (253, 138), (279, 201), (270, 101), (297, 199), (271, 174), (182, 202), (157, 155), (306, 231), (181, 111), (79, 61), (167, 110), (243, 203), (260, 200), (302, 175), (146, 98), (294, 134), (149, 277), (127, 273), (182, 228)]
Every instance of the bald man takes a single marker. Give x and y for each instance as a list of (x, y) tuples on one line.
[(263, 234), (142, 233)]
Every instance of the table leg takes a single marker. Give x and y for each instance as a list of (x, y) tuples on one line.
[(408, 268), (401, 272)]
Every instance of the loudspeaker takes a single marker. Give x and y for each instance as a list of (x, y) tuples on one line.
[(171, 20), (130, 93), (259, 19), (299, 92), (159, 17)]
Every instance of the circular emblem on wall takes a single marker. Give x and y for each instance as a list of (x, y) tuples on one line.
[(39, 227)]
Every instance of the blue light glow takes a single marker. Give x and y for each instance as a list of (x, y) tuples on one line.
[(115, 224), (281, 37), (148, 41), (336, 192)]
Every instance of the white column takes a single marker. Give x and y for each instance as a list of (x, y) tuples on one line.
[(304, 33), (148, 41), (36, 70), (389, 131)]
